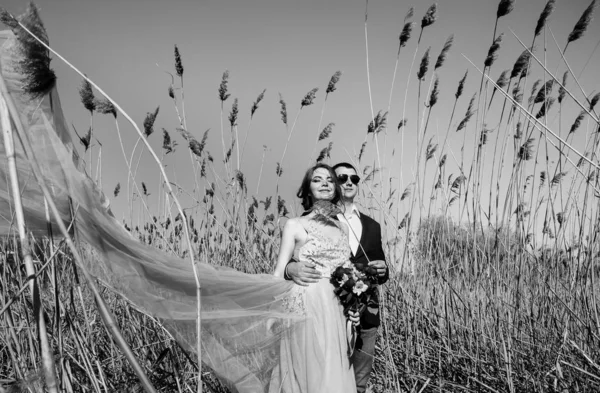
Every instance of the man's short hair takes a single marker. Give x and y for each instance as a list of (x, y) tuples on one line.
[(344, 165)]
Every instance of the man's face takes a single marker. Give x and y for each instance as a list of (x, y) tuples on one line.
[(349, 189)]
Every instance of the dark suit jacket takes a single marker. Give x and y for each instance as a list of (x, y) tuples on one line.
[(370, 249)]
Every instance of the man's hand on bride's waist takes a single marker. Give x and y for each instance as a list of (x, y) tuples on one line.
[(302, 273)]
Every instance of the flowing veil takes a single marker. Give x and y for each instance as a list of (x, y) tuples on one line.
[(244, 317)]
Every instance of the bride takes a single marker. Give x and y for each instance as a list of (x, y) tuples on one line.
[(316, 358)]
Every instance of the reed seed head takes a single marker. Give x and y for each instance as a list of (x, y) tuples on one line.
[(402, 123), (178, 63), (378, 123), (433, 98), (493, 51), (326, 131), (149, 122), (333, 81), (442, 56), (577, 122), (86, 139), (424, 65), (168, 144), (461, 86), (502, 79), (594, 101), (505, 7), (468, 115), (233, 115), (223, 95), (520, 64), (548, 9), (405, 34), (362, 150), (544, 91), (106, 107), (255, 103), (545, 108), (430, 16), (561, 90), (309, 98), (283, 110), (86, 93), (583, 22), (526, 150)]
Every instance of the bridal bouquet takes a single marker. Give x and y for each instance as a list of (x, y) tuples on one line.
[(354, 288)]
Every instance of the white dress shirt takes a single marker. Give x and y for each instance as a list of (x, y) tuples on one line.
[(352, 218)]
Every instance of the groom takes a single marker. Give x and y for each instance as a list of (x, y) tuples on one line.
[(365, 243)]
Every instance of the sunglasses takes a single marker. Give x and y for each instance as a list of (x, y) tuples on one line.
[(344, 178)]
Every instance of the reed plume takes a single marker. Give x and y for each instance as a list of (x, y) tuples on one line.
[(86, 139), (86, 94), (468, 115), (255, 103), (561, 90), (505, 7), (405, 34), (594, 101), (168, 144), (501, 83), (577, 122), (493, 51), (526, 150), (178, 63), (402, 123), (520, 64), (331, 86), (545, 107), (233, 115), (446, 48), (430, 16), (582, 24), (149, 122), (223, 95), (461, 85), (105, 107), (283, 110), (434, 93), (309, 98), (424, 65), (326, 131), (378, 123), (544, 91), (547, 11), (428, 19)]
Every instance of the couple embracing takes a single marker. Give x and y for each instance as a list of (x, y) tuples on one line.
[(331, 232)]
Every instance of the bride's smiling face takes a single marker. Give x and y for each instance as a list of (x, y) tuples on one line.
[(322, 185)]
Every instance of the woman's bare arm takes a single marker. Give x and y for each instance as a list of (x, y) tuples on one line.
[(289, 237)]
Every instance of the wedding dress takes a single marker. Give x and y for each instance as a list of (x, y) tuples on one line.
[(316, 359)]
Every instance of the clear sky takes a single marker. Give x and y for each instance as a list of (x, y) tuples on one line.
[(286, 47)]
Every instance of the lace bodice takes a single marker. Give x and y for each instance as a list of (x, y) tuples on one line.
[(325, 252)]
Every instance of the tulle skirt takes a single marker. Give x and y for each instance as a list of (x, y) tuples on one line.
[(315, 359)]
